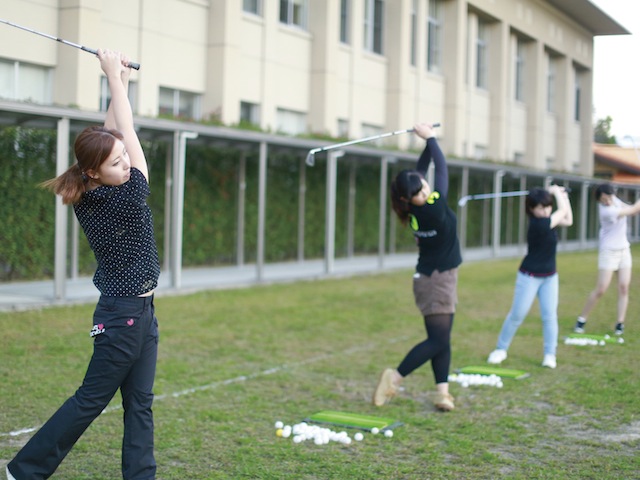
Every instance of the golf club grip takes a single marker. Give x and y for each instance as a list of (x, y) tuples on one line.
[(134, 65)]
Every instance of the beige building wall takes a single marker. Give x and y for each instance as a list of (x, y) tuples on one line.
[(224, 55)]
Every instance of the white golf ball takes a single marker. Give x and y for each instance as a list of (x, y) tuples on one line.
[(388, 433), (358, 437), (279, 424), (375, 430)]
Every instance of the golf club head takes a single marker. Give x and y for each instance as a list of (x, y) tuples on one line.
[(463, 201), (311, 160)]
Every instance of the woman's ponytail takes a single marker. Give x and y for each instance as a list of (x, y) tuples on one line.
[(69, 185)]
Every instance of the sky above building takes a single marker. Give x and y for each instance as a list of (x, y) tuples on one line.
[(616, 79)]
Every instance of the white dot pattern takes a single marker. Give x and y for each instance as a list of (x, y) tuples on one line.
[(119, 227)]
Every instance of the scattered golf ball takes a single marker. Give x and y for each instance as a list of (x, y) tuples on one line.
[(375, 430), (358, 437), (279, 424), (279, 432), (388, 433)]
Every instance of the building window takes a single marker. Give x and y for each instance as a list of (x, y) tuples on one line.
[(343, 128), (518, 158), (291, 122), (480, 152), (252, 6), (179, 104), (25, 82), (105, 95), (249, 113), (414, 31), (519, 71), (551, 84), (550, 162), (434, 33), (576, 96), (373, 25), (345, 32), (294, 12), (482, 55)]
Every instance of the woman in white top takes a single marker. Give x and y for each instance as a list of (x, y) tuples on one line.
[(614, 254)]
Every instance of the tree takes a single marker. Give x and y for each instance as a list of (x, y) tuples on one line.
[(602, 131)]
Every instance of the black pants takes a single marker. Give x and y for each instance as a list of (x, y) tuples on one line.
[(124, 356), (437, 348)]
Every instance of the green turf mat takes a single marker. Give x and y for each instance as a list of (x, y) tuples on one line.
[(489, 370), (605, 338), (353, 420)]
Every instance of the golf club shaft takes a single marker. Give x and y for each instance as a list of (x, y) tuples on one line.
[(481, 196), (366, 139), (134, 65), (310, 156)]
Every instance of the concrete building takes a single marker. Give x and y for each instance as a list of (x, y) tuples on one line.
[(510, 80)]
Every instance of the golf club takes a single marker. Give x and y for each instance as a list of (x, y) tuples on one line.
[(311, 155), (482, 196), (135, 66)]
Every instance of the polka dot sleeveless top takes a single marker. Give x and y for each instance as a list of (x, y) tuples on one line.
[(119, 227)]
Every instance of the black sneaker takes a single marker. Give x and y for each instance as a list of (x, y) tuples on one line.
[(619, 329), (579, 328)]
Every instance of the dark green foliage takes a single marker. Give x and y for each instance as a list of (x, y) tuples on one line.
[(27, 157)]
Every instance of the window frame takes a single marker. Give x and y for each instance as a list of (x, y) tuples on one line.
[(435, 21), (374, 26), (289, 15), (482, 55)]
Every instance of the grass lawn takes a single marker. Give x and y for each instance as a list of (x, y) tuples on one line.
[(233, 362)]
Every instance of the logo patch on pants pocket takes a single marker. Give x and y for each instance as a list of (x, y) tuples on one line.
[(96, 330)]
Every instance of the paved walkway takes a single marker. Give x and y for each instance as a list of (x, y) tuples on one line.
[(17, 296)]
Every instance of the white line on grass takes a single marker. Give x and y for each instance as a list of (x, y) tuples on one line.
[(230, 381)]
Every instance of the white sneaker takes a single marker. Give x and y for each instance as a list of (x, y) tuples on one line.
[(549, 361), (497, 357), (9, 476)]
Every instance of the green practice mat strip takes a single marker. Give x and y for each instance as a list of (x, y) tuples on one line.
[(353, 420), (605, 338), (489, 370)]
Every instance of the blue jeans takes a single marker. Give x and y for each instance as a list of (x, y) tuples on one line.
[(124, 357), (527, 289)]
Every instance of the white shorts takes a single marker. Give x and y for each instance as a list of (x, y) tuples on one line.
[(614, 260)]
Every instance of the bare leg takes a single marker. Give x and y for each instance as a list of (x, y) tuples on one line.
[(604, 279), (624, 280)]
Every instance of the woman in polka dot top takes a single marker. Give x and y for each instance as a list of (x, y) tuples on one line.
[(108, 187)]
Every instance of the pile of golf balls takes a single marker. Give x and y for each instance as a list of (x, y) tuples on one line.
[(301, 432), (583, 341), (472, 379), (589, 341)]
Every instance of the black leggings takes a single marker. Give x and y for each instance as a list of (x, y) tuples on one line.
[(437, 348)]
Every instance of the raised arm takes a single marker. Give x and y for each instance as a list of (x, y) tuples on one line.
[(432, 151), (563, 216), (119, 114), (629, 210)]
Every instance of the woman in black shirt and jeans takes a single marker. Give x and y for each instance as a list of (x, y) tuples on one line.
[(108, 187), (434, 224)]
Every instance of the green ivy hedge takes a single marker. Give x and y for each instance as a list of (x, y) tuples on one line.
[(28, 157)]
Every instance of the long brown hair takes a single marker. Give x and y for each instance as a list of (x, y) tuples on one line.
[(92, 147)]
